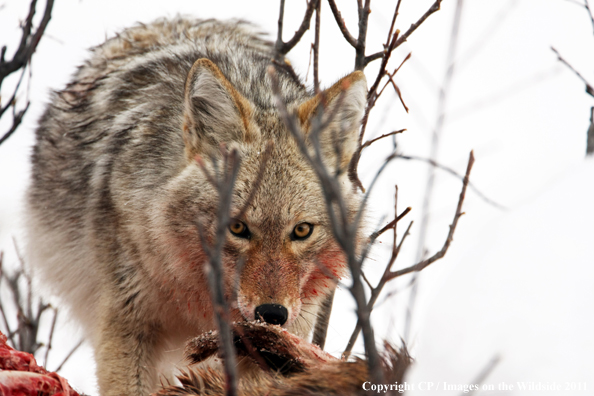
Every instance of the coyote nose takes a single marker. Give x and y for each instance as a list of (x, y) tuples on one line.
[(272, 313)]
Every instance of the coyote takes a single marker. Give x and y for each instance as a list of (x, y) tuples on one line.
[(117, 192)]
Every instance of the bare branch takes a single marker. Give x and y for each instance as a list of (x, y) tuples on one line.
[(390, 225), (372, 57), (11, 101), (389, 40), (587, 5), (434, 8), (375, 293), (69, 355), (589, 88), (372, 97), (366, 280), (389, 275), (282, 48), (17, 118), (425, 263), (29, 41), (391, 80), (341, 25), (369, 142), (51, 337), (360, 60), (316, 49)]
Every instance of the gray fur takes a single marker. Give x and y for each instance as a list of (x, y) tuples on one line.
[(116, 193)]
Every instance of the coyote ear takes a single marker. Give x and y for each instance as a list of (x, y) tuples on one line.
[(345, 101), (214, 112)]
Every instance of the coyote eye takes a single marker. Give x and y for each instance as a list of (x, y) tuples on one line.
[(302, 231), (239, 229)]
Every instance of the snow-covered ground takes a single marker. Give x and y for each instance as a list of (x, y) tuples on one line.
[(516, 283)]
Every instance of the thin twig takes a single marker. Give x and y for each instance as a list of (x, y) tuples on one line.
[(587, 5), (369, 142), (589, 88), (366, 280), (391, 80), (51, 337), (11, 101), (381, 54), (17, 118), (69, 355), (434, 8), (391, 224)]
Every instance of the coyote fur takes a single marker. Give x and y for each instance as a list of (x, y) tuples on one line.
[(117, 192)]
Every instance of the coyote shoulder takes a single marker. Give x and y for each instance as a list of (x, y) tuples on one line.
[(116, 192)]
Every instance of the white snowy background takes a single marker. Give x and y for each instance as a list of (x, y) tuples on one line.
[(517, 284)]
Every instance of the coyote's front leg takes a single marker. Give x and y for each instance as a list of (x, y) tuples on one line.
[(125, 354)]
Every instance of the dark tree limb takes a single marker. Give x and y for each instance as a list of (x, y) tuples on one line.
[(341, 25), (282, 48), (28, 43), (17, 118), (391, 224), (360, 59)]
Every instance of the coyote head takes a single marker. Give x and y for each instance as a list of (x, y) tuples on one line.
[(280, 258)]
